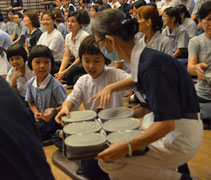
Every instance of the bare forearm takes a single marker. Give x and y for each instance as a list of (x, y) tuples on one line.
[(33, 107), (156, 131), (68, 104), (65, 62)]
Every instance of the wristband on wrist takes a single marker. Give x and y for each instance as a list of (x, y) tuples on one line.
[(130, 151)]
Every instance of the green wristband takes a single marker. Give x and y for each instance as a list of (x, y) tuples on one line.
[(130, 151)]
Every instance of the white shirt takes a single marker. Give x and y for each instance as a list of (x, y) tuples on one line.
[(86, 87), (4, 64), (21, 81), (55, 42), (190, 27), (74, 46)]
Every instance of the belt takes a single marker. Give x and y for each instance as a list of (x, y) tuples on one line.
[(190, 115)]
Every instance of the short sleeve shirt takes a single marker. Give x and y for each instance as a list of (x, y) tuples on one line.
[(50, 93), (165, 86), (33, 38), (190, 27), (10, 27), (74, 46), (5, 40)]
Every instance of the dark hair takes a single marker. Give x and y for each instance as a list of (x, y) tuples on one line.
[(139, 3), (182, 8), (99, 2), (96, 8), (11, 10), (87, 46), (58, 15), (174, 12), (78, 16), (105, 6), (85, 16), (205, 10), (50, 14), (40, 51), (86, 1), (150, 12), (19, 14), (16, 50), (33, 16)]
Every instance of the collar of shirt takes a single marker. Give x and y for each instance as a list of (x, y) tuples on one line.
[(32, 31), (135, 56), (44, 84)]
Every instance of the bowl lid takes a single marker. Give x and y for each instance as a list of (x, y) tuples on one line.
[(120, 112), (121, 124), (85, 140), (82, 127), (77, 116), (122, 136)]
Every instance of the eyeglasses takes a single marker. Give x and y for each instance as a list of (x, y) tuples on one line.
[(96, 42)]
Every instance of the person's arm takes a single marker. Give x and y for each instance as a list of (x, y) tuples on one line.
[(178, 52), (49, 112), (156, 131), (104, 95), (12, 37), (37, 114), (67, 106), (195, 68), (66, 59), (17, 40)]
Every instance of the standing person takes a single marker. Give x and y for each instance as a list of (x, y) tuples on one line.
[(22, 155), (149, 24), (20, 73), (173, 132), (176, 32), (5, 40), (10, 24), (72, 43), (53, 39), (44, 94), (187, 22), (31, 21)]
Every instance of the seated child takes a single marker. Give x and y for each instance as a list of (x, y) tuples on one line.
[(20, 73), (44, 94), (97, 77)]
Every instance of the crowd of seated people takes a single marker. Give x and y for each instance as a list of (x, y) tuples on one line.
[(51, 40)]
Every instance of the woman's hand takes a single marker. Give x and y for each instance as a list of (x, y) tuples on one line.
[(103, 96), (114, 152), (60, 75), (199, 68), (63, 112)]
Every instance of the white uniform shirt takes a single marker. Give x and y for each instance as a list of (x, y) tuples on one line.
[(3, 26), (55, 42), (86, 87), (4, 64), (179, 36), (159, 42), (188, 3), (74, 46), (21, 81)]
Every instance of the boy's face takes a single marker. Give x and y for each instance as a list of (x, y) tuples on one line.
[(17, 19), (93, 13), (93, 64), (41, 67), (10, 16), (17, 62)]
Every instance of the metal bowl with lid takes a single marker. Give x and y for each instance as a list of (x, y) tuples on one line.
[(121, 124), (82, 128), (78, 116), (111, 113)]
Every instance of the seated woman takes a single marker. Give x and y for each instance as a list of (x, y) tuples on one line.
[(173, 131), (176, 33), (53, 39), (72, 43), (149, 24), (200, 55), (188, 23)]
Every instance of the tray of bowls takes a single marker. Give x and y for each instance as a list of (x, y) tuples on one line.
[(86, 133)]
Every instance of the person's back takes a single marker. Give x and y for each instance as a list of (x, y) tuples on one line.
[(21, 153), (5, 40)]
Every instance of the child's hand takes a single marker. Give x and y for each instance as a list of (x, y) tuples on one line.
[(38, 116), (63, 112), (104, 97), (48, 113), (16, 75)]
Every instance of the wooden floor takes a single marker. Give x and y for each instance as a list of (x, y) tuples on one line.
[(200, 165)]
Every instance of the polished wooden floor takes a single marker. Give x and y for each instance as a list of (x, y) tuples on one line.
[(200, 165)]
